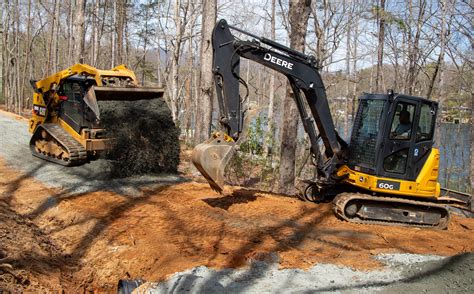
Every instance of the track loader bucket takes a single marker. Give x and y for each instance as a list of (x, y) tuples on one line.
[(95, 94), (212, 157)]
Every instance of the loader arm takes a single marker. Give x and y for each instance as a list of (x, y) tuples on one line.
[(212, 156), (52, 82)]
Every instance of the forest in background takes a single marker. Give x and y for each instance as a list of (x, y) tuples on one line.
[(417, 47)]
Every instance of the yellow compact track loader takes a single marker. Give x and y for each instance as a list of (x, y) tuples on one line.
[(386, 174), (66, 114)]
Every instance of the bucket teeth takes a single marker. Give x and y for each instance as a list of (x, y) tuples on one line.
[(212, 157)]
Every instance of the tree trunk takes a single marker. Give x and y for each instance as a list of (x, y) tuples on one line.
[(127, 38), (189, 97), (2, 50), (206, 84), (414, 52), (17, 83), (354, 67), (27, 53), (5, 55), (95, 34), (70, 31), (269, 140), (55, 36), (120, 24), (381, 41), (298, 15), (175, 62), (114, 35), (348, 70), (78, 37), (472, 143), (443, 36)]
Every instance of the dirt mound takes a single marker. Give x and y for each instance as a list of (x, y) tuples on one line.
[(28, 259), (111, 236), (146, 139)]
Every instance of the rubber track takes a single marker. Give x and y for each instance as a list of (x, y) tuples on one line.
[(342, 199), (77, 152)]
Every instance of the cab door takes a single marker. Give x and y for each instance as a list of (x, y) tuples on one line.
[(71, 110), (398, 142), (423, 139)]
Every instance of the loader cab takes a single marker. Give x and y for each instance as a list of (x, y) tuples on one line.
[(392, 135), (73, 110)]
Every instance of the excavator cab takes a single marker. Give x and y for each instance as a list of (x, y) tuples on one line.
[(392, 135)]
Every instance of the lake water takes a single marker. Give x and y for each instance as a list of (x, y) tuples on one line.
[(455, 156)]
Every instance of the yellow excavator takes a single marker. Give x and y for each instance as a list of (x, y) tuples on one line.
[(386, 174), (65, 122)]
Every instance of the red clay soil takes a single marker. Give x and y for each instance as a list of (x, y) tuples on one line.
[(51, 240)]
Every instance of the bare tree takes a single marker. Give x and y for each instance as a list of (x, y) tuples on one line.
[(414, 46), (380, 46), (298, 16), (55, 38), (120, 28), (205, 99), (444, 34), (348, 68), (329, 24), (271, 93), (472, 142), (78, 37)]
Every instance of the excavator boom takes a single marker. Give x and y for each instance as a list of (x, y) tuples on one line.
[(212, 156)]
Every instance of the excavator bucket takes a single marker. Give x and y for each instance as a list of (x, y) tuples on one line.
[(95, 94), (212, 157)]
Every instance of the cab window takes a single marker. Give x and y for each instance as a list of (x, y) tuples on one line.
[(73, 91), (427, 120), (397, 162), (402, 123)]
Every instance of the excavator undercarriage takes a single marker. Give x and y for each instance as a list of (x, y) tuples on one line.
[(367, 209)]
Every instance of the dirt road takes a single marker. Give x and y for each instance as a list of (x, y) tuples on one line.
[(56, 234)]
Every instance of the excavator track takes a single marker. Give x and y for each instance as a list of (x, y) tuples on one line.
[(367, 209), (53, 143)]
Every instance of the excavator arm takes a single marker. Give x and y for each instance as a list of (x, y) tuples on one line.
[(212, 156)]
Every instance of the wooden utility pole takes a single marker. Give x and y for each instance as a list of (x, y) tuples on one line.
[(298, 16)]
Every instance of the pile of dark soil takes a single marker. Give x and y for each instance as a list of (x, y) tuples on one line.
[(146, 139)]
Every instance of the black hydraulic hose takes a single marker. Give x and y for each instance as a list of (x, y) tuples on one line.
[(236, 75)]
